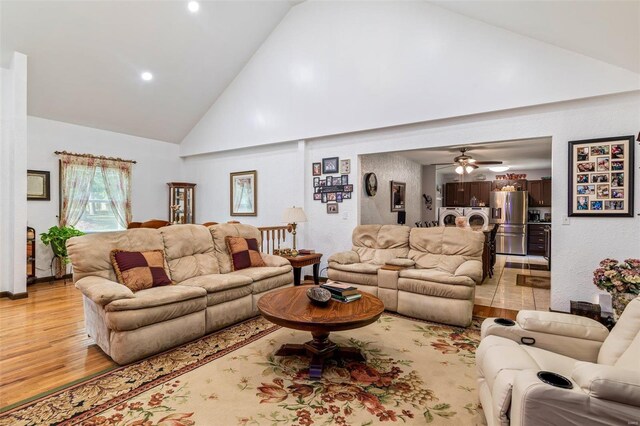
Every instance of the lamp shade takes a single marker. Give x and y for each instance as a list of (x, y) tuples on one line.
[(294, 215)]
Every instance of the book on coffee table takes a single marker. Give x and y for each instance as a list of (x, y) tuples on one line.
[(346, 299), (340, 289)]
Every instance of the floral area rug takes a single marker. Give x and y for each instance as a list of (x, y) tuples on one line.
[(415, 373)]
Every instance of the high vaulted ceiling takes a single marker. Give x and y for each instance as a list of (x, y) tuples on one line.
[(85, 57)]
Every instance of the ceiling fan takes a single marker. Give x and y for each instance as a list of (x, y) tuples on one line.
[(465, 163)]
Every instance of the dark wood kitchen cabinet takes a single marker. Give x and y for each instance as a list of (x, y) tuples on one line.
[(519, 184), (480, 190), (459, 194), (539, 193), (536, 239), (455, 194)]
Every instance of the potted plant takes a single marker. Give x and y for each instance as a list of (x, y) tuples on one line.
[(57, 236), (621, 280)]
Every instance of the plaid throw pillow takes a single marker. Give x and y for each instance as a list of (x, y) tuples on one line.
[(244, 253), (140, 270)]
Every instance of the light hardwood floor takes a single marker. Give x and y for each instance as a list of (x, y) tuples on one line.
[(44, 345)]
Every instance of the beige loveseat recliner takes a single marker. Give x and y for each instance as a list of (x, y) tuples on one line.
[(431, 273), (602, 368), (207, 296)]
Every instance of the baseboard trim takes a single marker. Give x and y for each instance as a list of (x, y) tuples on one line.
[(14, 296), (49, 279)]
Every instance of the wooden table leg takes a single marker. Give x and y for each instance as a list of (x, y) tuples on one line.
[(319, 350), (296, 276), (316, 275)]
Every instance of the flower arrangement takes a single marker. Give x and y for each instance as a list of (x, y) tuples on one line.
[(618, 277)]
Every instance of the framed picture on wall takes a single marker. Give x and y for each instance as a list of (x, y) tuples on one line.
[(38, 185), (601, 177), (330, 165), (317, 169), (244, 193), (398, 196), (345, 167)]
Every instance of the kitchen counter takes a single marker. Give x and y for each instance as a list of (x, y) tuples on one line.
[(538, 223)]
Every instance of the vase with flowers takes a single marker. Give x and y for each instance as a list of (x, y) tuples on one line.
[(621, 280)]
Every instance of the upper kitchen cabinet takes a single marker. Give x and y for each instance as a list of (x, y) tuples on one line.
[(480, 190), (459, 194), (456, 195), (539, 193)]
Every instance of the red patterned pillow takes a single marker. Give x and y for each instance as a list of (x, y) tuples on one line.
[(244, 253), (140, 270)]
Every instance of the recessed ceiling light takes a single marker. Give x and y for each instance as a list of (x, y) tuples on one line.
[(146, 76), (499, 169), (193, 6)]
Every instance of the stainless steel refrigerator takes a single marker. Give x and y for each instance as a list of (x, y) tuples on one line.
[(509, 210)]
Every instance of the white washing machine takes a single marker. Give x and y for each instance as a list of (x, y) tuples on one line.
[(477, 217), (447, 215)]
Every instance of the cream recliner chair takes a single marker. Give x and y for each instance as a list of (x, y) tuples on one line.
[(602, 368)]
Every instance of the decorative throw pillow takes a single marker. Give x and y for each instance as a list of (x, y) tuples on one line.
[(140, 270), (244, 253)]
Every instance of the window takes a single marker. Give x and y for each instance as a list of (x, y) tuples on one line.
[(95, 193)]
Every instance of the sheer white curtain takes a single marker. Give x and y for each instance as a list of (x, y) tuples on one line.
[(117, 182), (76, 175)]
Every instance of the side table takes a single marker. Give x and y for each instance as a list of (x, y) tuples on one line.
[(305, 260)]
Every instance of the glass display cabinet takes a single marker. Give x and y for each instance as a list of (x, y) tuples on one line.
[(182, 202)]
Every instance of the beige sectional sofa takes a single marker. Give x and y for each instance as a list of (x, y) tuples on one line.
[(432, 275), (207, 296)]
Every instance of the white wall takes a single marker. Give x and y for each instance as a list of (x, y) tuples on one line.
[(388, 167), (158, 163), (13, 176), (336, 67)]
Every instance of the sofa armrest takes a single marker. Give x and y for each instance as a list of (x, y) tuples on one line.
[(399, 261), (272, 260), (103, 291), (562, 325), (471, 269), (345, 257), (608, 382)]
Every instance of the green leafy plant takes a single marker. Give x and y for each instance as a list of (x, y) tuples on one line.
[(57, 236)]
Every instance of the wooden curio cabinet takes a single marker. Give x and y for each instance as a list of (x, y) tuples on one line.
[(182, 202), (31, 255)]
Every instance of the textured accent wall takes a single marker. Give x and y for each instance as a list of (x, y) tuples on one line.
[(388, 167)]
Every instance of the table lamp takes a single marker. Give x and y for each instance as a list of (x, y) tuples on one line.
[(293, 216)]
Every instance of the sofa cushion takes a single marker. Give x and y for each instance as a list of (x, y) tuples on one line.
[(270, 283), (361, 268), (453, 245), (436, 276), (132, 319), (353, 277), (156, 296), (91, 254), (257, 274), (140, 270), (228, 295), (244, 253), (189, 251), (380, 243), (214, 283), (220, 232), (436, 289)]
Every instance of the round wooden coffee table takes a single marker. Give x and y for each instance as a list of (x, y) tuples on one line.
[(291, 308)]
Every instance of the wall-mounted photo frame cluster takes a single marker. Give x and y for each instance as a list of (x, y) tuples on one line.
[(601, 177), (332, 189)]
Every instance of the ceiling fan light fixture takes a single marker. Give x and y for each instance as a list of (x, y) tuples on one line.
[(499, 169), (469, 168), (459, 170)]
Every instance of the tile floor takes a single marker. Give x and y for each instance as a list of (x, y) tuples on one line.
[(501, 291)]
